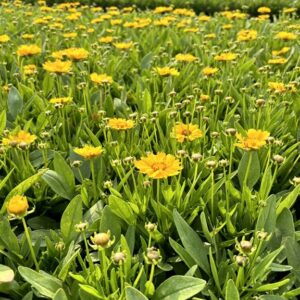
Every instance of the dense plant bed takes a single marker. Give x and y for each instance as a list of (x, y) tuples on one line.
[(148, 155)]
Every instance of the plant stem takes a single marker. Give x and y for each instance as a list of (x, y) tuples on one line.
[(30, 245), (93, 179)]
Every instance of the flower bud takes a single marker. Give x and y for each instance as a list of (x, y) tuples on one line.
[(211, 164), (81, 226), (18, 206), (278, 158), (118, 258), (153, 256), (231, 131), (150, 227), (196, 157)]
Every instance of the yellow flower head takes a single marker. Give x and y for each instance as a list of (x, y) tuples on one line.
[(22, 137), (17, 206), (286, 36), (106, 39), (186, 132), (208, 71), (246, 35), (277, 61), (28, 50), (58, 66), (72, 53), (167, 71), (101, 78), (120, 124), (281, 51), (204, 18), (254, 140), (62, 100), (160, 165), (289, 10), (226, 56), (264, 10), (4, 38), (185, 57), (277, 87), (30, 69), (89, 152), (204, 98), (27, 36), (70, 35), (123, 46)]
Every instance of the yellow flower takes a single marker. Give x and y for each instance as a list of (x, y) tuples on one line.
[(106, 39), (58, 66), (159, 165), (89, 152), (277, 87), (4, 38), (70, 35), (186, 132), (72, 53), (101, 78), (162, 9), (277, 61), (204, 18), (286, 36), (62, 100), (167, 71), (281, 51), (27, 36), (123, 46), (254, 140), (246, 35), (289, 10), (264, 10), (185, 57), (227, 26), (225, 57), (17, 206), (27, 50), (204, 98), (208, 71), (210, 36), (21, 138), (30, 69), (120, 124)]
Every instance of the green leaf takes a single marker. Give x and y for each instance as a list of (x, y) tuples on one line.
[(60, 295), (146, 102), (4, 180), (192, 242), (272, 286), (179, 288), (231, 292), (292, 250), (91, 291), (6, 274), (289, 201), (134, 294), (146, 61), (71, 216), (45, 284), (22, 187), (249, 163), (58, 184), (14, 102), (64, 170), (8, 239), (267, 217), (122, 209), (2, 121)]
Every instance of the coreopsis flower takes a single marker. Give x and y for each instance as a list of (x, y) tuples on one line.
[(210, 36), (227, 26), (185, 57), (72, 53), (106, 39), (208, 71), (101, 240), (204, 18), (29, 69), (160, 165), (229, 56), (62, 100), (264, 10), (277, 87), (254, 139), (120, 124), (246, 35), (21, 138), (4, 38), (277, 61), (186, 132), (204, 98), (286, 36), (289, 10), (162, 9), (101, 78), (167, 71), (70, 35), (17, 206), (27, 36), (58, 66), (88, 151), (28, 50), (123, 46), (281, 51)]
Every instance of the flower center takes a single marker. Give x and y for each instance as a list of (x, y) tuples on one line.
[(159, 166), (186, 132)]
